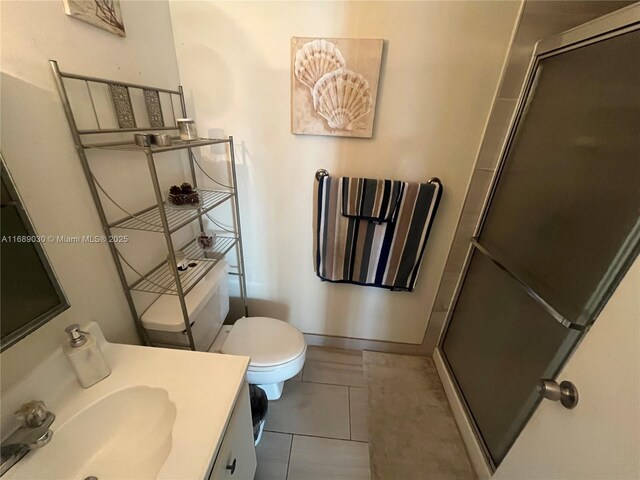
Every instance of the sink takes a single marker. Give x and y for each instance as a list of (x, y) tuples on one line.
[(124, 435), (161, 414)]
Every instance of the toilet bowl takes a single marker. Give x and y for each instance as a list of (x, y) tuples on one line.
[(277, 349)]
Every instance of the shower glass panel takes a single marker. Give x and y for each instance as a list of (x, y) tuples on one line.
[(500, 343), (569, 192), (560, 229)]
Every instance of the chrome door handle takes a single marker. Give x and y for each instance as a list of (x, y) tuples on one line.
[(566, 392)]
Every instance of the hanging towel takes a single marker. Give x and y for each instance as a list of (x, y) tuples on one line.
[(358, 250), (375, 200)]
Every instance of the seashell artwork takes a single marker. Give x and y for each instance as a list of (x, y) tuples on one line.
[(334, 85), (104, 14), (342, 97), (315, 59)]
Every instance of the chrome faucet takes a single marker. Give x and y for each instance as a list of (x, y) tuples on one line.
[(32, 434)]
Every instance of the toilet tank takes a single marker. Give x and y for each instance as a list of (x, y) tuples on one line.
[(207, 304)]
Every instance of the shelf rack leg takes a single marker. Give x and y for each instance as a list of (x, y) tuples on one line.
[(195, 183), (236, 210), (62, 91), (172, 255), (183, 107)]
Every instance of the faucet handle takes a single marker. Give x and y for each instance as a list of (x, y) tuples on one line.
[(33, 414)]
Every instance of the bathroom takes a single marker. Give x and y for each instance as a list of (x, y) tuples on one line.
[(449, 95)]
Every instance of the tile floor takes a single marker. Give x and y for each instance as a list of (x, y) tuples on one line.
[(318, 428)]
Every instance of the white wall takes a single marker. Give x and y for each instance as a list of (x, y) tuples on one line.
[(600, 438), (39, 152), (440, 70)]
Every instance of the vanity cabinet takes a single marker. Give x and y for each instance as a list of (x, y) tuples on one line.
[(162, 414), (236, 457)]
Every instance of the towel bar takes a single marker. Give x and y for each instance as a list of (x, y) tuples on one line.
[(383, 256), (321, 173), (324, 173)]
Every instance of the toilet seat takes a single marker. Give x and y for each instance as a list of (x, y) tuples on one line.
[(270, 343), (272, 368)]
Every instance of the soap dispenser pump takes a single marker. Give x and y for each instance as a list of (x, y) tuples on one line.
[(85, 356)]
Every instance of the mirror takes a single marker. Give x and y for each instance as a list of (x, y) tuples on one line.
[(30, 294)]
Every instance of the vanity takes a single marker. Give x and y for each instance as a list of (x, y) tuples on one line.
[(162, 413)]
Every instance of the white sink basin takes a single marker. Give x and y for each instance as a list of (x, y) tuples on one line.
[(125, 435), (161, 414)]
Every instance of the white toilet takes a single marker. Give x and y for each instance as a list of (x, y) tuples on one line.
[(277, 349)]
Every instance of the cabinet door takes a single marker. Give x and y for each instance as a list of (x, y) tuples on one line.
[(237, 455)]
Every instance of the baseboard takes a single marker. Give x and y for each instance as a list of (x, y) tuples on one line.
[(364, 344), (474, 449)]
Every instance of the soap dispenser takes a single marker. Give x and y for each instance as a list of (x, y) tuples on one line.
[(85, 356)]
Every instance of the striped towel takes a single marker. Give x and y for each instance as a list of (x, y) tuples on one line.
[(358, 250), (375, 200)]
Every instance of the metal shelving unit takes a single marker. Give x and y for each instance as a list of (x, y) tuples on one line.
[(165, 278), (161, 279), (177, 144), (150, 220)]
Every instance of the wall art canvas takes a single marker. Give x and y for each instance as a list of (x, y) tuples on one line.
[(104, 14), (334, 85)]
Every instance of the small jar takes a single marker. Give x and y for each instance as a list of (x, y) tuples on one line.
[(142, 139), (160, 139), (187, 129)]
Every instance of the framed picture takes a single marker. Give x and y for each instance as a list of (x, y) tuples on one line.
[(334, 86), (104, 14)]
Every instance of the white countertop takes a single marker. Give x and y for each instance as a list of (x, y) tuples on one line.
[(203, 386)]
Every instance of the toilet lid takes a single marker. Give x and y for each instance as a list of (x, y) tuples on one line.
[(266, 340)]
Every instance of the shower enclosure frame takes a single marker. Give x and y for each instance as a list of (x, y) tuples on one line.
[(616, 23)]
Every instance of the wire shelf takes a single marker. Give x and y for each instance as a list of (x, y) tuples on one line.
[(177, 144), (160, 280), (148, 220)]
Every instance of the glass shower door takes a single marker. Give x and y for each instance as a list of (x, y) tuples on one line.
[(499, 344), (562, 223)]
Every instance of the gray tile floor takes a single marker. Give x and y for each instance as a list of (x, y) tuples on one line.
[(318, 428)]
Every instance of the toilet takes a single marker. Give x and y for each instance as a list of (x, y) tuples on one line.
[(277, 349)]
